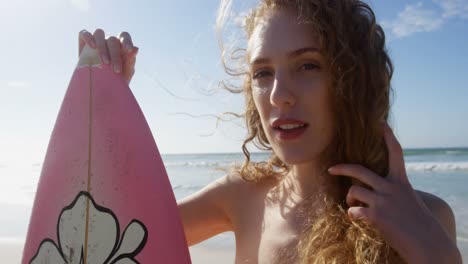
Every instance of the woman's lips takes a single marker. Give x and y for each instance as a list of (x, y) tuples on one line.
[(286, 121), (290, 134)]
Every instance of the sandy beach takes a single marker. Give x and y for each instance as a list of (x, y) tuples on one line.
[(10, 253)]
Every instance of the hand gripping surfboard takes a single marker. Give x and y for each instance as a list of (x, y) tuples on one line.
[(103, 194)]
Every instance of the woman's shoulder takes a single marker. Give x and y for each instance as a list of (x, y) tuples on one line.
[(441, 210), (232, 187), (234, 184)]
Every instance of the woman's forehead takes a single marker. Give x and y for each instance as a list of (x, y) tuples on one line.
[(280, 33)]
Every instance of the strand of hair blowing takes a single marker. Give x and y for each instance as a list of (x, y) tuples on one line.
[(361, 70)]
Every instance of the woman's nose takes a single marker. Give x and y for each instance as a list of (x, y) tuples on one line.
[(281, 95)]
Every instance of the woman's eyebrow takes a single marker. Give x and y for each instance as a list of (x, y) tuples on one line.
[(291, 54), (302, 51)]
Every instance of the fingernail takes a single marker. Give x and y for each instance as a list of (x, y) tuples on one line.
[(128, 47), (117, 68), (330, 170)]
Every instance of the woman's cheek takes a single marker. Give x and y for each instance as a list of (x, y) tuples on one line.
[(309, 82), (261, 99), (259, 89)]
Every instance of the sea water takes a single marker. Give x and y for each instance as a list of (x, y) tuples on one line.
[(443, 172)]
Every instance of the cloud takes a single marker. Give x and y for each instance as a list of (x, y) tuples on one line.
[(453, 8), (418, 18), (414, 18), (82, 5)]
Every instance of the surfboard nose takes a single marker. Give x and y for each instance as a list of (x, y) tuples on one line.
[(88, 57)]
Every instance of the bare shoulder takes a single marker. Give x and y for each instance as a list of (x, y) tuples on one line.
[(441, 211), (218, 193), (205, 213), (237, 188), (213, 209)]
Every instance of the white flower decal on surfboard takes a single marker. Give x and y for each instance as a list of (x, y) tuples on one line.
[(102, 240)]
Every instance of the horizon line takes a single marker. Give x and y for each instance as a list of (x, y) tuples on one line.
[(266, 152)]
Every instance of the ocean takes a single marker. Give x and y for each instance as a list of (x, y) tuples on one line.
[(441, 171)]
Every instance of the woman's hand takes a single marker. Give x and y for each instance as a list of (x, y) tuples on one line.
[(396, 210), (119, 52)]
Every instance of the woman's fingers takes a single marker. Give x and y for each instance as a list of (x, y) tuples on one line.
[(99, 38), (128, 55), (357, 195), (129, 61), (119, 52), (359, 212), (85, 37), (396, 162), (113, 45), (360, 173), (126, 40)]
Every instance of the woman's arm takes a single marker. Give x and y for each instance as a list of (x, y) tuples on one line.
[(203, 213)]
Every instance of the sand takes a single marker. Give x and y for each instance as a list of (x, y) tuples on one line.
[(10, 253)]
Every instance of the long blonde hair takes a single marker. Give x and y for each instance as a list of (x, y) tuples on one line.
[(361, 70)]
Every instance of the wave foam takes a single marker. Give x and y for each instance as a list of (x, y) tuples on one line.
[(202, 164), (410, 166), (437, 166)]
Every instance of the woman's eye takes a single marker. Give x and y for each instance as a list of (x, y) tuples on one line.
[(309, 66), (261, 74)]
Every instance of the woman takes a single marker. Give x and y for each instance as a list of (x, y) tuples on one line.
[(335, 190)]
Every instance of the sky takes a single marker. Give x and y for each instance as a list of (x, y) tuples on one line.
[(178, 69)]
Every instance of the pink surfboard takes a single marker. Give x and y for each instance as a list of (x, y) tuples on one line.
[(103, 194)]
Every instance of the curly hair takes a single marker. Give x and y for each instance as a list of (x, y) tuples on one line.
[(360, 68)]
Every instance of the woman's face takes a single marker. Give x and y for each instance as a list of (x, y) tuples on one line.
[(290, 81)]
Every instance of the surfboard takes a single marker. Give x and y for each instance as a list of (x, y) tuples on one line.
[(103, 195)]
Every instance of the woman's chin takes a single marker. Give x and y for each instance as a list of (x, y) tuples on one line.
[(294, 157)]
